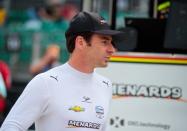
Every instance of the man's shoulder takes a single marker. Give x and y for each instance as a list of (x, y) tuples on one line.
[(54, 69), (53, 73), (99, 76), (46, 78), (103, 79)]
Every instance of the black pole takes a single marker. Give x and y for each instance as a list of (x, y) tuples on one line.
[(114, 12), (151, 8)]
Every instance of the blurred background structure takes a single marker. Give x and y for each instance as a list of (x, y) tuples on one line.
[(27, 28)]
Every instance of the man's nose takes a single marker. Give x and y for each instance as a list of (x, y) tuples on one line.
[(111, 48)]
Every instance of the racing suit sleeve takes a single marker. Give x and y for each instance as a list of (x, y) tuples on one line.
[(29, 107)]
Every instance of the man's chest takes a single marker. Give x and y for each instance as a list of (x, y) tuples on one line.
[(78, 106)]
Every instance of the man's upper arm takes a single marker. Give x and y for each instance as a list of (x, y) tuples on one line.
[(29, 106)]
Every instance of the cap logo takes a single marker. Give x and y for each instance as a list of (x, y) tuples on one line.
[(103, 21)]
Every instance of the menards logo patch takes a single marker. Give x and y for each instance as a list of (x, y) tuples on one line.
[(81, 124)]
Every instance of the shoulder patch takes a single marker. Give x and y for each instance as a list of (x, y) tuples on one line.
[(54, 77), (106, 82)]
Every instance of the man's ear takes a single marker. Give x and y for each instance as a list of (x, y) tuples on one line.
[(79, 42)]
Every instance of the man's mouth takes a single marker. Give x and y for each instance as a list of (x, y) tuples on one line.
[(107, 58)]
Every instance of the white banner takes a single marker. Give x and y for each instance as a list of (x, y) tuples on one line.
[(147, 97)]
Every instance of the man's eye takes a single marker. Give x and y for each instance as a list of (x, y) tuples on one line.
[(105, 42)]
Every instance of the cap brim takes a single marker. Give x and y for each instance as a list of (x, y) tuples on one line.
[(108, 32), (118, 37)]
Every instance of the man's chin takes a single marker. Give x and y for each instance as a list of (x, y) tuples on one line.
[(103, 65)]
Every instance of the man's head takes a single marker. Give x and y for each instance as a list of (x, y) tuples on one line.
[(86, 24), (90, 36)]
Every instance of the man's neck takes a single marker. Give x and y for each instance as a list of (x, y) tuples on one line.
[(81, 64)]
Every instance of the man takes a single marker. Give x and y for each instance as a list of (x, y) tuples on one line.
[(72, 96)]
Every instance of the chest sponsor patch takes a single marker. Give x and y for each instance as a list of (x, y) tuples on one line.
[(82, 124), (77, 109), (99, 112)]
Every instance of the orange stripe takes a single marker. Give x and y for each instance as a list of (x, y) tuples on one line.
[(152, 59)]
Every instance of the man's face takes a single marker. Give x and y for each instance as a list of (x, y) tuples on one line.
[(100, 50)]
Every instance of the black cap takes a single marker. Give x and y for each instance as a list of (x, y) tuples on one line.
[(90, 22)]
